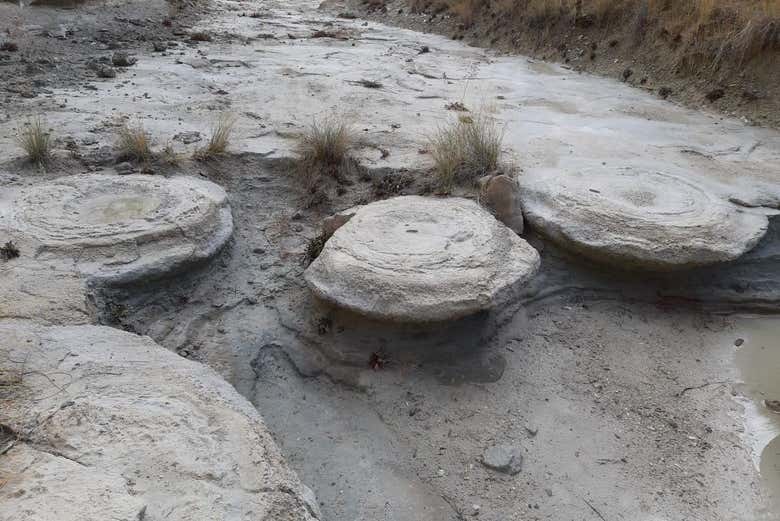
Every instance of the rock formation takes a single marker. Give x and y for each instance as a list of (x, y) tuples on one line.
[(420, 259), (638, 219)]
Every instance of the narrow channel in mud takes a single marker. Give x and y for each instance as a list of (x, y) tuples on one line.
[(757, 354)]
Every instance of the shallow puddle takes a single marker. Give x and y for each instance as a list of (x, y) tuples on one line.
[(757, 346)]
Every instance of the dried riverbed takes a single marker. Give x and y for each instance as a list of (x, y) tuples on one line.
[(626, 394)]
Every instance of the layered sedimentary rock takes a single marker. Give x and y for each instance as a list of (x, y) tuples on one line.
[(421, 259), (638, 219), (117, 228)]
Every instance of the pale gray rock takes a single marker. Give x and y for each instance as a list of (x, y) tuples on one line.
[(504, 458), (30, 290), (636, 218), (109, 425), (333, 222), (72, 491), (421, 259), (118, 228), (501, 195)]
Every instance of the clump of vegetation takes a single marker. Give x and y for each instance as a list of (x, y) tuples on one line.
[(9, 251), (391, 185), (324, 150), (36, 142), (134, 143), (314, 248), (219, 140), (169, 156), (466, 150)]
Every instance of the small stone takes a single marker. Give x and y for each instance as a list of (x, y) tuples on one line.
[(738, 342), (104, 71), (122, 59), (501, 195), (188, 137), (336, 221), (503, 458), (124, 168)]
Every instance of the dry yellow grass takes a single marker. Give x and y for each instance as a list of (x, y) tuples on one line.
[(324, 153), (466, 150), (220, 138), (134, 143), (36, 142), (691, 12)]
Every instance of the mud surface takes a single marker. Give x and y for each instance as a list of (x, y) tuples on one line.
[(619, 389)]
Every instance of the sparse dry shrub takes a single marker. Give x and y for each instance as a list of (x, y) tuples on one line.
[(35, 140), (324, 150), (133, 143), (466, 150), (219, 141)]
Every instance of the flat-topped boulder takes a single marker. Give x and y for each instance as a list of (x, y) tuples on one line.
[(420, 259), (117, 228), (637, 218), (101, 424)]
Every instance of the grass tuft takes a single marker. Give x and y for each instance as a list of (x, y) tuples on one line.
[(134, 143), (323, 150), (314, 248), (36, 142), (466, 150), (219, 140), (9, 251)]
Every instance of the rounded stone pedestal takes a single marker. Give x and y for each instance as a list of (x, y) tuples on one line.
[(118, 228), (420, 259), (635, 218)]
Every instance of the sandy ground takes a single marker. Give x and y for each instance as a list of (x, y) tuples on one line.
[(626, 394)]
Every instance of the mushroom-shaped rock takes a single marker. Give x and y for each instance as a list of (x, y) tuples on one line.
[(104, 424), (635, 218), (118, 228), (420, 259)]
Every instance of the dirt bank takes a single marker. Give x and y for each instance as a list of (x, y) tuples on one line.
[(721, 58)]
